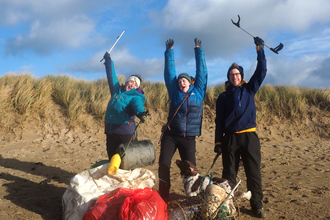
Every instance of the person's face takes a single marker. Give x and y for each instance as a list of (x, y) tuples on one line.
[(184, 85), (130, 85), (235, 77)]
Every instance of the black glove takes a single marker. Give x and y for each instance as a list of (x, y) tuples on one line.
[(169, 44), (259, 42), (198, 43), (106, 56), (217, 149), (143, 116)]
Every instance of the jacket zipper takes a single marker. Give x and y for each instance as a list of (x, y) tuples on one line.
[(239, 101), (185, 123)]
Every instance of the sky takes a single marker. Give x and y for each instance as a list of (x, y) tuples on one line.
[(70, 37)]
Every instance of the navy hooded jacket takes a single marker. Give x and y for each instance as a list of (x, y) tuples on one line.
[(235, 108)]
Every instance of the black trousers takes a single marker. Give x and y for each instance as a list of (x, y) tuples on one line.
[(245, 146), (113, 141), (169, 144)]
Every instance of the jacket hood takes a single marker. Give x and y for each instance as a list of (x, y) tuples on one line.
[(229, 86), (139, 90)]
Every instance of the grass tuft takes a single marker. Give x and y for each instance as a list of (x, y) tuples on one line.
[(27, 96)]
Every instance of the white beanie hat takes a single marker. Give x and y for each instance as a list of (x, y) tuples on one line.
[(134, 79)]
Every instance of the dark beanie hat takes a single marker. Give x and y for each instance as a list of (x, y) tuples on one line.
[(239, 68), (185, 75)]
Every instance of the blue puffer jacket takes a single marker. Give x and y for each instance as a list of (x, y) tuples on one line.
[(235, 108), (188, 120), (123, 105)]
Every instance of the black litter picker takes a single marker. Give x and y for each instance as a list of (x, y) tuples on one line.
[(275, 50)]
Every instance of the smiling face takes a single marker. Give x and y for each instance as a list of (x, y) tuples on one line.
[(183, 84), (129, 85), (235, 77)]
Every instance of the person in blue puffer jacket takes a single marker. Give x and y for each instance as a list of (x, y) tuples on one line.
[(235, 135), (126, 102), (185, 121)]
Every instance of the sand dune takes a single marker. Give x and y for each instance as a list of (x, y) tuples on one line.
[(38, 161)]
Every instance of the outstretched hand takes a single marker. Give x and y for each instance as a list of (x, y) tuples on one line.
[(143, 116), (169, 44), (259, 42), (106, 56), (198, 43)]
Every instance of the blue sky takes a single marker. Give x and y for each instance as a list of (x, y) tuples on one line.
[(71, 36)]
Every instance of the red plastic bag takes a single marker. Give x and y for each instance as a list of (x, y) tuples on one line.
[(128, 204), (144, 204)]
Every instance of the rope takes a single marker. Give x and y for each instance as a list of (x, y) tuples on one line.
[(167, 126), (202, 180), (131, 138)]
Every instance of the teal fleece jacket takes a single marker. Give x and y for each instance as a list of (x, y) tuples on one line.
[(123, 105)]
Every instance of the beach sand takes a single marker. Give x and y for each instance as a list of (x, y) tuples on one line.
[(38, 161)]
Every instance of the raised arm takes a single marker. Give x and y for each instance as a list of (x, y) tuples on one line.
[(201, 69), (261, 70), (169, 70), (111, 74)]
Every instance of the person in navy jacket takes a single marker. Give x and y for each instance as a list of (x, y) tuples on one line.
[(186, 123), (235, 135)]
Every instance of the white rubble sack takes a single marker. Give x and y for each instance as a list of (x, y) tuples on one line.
[(87, 186)]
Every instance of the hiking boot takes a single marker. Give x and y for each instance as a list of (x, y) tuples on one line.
[(259, 213)]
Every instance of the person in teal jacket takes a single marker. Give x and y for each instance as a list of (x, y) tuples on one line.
[(235, 135), (126, 102), (183, 125)]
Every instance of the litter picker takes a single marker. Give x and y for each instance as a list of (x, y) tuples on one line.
[(114, 44), (275, 50), (215, 159)]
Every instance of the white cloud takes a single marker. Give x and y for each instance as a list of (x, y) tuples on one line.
[(310, 44), (299, 25), (304, 71), (82, 28), (303, 62), (45, 37), (124, 63), (210, 21), (49, 26)]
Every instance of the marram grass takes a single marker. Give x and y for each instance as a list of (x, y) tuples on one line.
[(27, 96)]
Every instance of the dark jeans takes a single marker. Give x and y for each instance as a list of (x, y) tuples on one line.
[(245, 146), (169, 144), (113, 142)]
